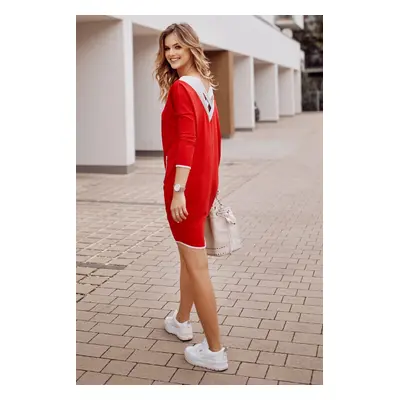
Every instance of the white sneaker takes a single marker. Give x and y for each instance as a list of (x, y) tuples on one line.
[(182, 330), (200, 355)]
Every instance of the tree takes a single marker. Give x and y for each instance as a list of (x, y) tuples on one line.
[(311, 40)]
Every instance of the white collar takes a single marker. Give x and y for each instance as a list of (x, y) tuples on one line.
[(207, 98)]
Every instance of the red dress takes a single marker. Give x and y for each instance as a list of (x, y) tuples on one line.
[(191, 138)]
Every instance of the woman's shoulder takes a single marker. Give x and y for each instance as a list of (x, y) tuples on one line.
[(179, 89), (177, 85)]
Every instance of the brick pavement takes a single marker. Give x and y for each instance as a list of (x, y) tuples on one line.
[(269, 293)]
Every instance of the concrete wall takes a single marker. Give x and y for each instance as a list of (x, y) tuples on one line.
[(147, 105), (244, 34), (299, 19), (297, 91), (243, 91), (267, 91), (287, 101), (104, 94), (270, 19)]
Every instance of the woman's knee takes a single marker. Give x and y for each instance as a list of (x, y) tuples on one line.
[(194, 259)]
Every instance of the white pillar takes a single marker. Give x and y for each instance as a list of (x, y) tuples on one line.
[(105, 105), (244, 93), (147, 104), (287, 103), (297, 88), (267, 91)]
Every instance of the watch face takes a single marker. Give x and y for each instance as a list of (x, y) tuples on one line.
[(177, 187)]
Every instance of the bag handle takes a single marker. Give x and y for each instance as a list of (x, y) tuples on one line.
[(217, 198)]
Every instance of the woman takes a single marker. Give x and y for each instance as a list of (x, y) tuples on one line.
[(191, 140)]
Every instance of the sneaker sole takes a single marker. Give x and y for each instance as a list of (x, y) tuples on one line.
[(201, 365), (182, 338)]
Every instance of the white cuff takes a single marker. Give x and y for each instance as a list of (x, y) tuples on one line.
[(183, 166)]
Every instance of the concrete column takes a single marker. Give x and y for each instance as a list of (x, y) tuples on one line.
[(148, 107), (105, 140), (287, 102), (244, 93), (297, 89), (222, 69), (267, 91)]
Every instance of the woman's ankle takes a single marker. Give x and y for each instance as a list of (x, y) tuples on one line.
[(215, 349), (181, 318), (214, 346)]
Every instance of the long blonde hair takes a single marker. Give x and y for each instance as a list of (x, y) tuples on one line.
[(187, 37)]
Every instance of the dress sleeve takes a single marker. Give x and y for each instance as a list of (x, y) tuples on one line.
[(186, 124), (219, 138)]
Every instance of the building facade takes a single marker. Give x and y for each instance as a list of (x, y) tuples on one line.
[(118, 110)]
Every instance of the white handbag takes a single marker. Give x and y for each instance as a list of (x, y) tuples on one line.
[(221, 230)]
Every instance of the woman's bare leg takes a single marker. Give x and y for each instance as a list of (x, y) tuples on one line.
[(186, 301), (196, 263)]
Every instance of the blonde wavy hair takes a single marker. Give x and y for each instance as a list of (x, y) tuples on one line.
[(187, 37)]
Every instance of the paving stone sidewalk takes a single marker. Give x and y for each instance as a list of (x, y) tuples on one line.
[(269, 293)]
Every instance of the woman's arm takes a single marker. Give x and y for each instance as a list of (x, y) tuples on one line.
[(186, 129), (178, 205)]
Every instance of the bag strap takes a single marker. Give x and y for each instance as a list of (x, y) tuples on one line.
[(217, 198)]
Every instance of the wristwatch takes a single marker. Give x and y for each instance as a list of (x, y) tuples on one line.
[(179, 188)]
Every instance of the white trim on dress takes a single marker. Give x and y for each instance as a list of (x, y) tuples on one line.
[(207, 98), (192, 247)]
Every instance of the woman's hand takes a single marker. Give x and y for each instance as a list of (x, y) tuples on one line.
[(178, 207)]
